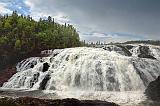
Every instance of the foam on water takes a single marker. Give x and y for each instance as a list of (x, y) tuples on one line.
[(94, 73)]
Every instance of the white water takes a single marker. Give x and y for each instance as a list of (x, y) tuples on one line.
[(90, 73)]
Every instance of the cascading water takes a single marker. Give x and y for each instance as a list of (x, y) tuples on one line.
[(89, 69)]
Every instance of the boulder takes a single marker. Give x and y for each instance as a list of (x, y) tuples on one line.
[(125, 50), (153, 90), (45, 67), (145, 52), (44, 82)]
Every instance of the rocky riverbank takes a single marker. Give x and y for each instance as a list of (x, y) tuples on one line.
[(27, 101), (153, 90), (7, 74)]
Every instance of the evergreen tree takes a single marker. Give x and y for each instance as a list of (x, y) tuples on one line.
[(23, 37), (49, 19)]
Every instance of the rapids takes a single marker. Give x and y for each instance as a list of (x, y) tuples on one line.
[(109, 68)]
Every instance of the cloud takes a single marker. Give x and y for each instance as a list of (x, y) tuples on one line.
[(36, 12), (101, 35), (62, 18), (3, 9), (7, 6), (98, 19), (45, 11), (110, 37)]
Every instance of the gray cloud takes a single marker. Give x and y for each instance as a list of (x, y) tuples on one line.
[(131, 17)]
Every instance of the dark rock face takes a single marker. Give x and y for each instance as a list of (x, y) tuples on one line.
[(44, 82), (153, 90), (32, 66), (145, 52), (27, 101), (141, 75), (119, 49), (7, 74), (45, 67), (125, 49), (129, 47)]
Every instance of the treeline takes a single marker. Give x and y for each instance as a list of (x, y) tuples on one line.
[(152, 42), (21, 37)]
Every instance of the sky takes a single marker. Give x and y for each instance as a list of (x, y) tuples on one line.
[(96, 20)]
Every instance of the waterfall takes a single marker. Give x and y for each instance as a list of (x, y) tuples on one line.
[(89, 69)]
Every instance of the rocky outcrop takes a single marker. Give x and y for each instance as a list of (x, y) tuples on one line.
[(145, 52), (34, 79), (153, 90), (44, 82), (121, 49), (45, 67), (27, 101), (125, 50), (129, 47)]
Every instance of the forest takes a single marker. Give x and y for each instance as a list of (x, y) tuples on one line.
[(152, 42), (21, 37)]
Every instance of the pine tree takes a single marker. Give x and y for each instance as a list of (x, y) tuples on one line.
[(49, 19)]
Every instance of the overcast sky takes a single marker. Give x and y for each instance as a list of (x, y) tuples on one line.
[(104, 20)]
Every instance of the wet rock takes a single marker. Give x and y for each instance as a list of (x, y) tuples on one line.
[(51, 59), (67, 58), (153, 90), (44, 82), (141, 74), (105, 48), (41, 59), (121, 49), (55, 54), (125, 50), (145, 52), (32, 66), (34, 80), (27, 101), (45, 67), (129, 47)]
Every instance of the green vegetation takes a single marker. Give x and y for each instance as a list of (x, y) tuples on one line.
[(21, 37)]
